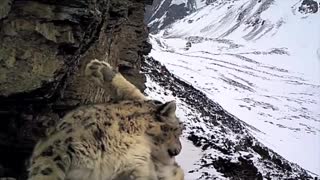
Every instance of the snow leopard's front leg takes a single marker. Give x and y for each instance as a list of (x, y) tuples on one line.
[(48, 168), (103, 74), (50, 159)]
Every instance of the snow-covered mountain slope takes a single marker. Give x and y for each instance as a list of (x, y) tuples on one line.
[(165, 12), (260, 60), (216, 145)]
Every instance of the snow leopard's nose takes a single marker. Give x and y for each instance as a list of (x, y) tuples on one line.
[(173, 152), (176, 149)]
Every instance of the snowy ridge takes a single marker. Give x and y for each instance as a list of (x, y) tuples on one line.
[(260, 60), (259, 25), (287, 116), (222, 146), (165, 12), (177, 2)]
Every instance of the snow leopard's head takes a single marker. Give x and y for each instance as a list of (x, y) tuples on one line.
[(166, 133)]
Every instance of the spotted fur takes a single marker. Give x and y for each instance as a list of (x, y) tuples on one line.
[(136, 137)]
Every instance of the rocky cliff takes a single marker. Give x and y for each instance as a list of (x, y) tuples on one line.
[(43, 48)]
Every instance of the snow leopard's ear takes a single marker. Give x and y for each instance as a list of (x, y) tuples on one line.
[(167, 110)]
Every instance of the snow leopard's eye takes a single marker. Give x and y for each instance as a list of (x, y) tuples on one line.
[(178, 130), (156, 102), (182, 126)]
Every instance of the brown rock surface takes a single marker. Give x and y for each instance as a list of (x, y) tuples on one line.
[(44, 45)]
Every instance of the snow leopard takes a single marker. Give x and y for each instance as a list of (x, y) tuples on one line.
[(137, 137)]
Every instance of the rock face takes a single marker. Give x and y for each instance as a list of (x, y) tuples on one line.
[(309, 6), (43, 49)]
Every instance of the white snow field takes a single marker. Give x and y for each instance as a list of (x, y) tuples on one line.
[(260, 60)]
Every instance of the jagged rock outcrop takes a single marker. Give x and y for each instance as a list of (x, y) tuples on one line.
[(43, 49), (309, 6)]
